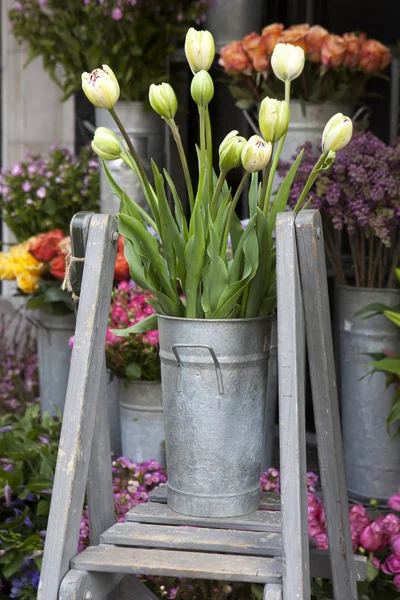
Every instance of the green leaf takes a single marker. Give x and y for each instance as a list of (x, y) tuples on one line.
[(258, 290), (393, 316), (133, 371), (147, 324), (280, 202), (236, 232), (14, 566), (253, 194), (43, 508), (36, 303), (387, 365), (372, 571), (179, 212), (215, 275), (194, 259)]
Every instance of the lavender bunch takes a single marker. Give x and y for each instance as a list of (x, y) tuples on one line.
[(359, 195)]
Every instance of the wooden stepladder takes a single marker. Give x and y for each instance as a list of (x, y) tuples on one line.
[(269, 547)]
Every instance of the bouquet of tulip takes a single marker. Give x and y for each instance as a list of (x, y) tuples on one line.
[(337, 67), (38, 266), (42, 193), (135, 357), (189, 271)]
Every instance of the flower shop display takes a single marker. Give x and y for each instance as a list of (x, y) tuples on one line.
[(38, 266), (359, 197), (136, 363), (136, 36), (42, 193), (334, 79), (213, 307)]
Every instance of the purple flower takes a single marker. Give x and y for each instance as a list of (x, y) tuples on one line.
[(16, 170), (41, 193), (394, 502), (117, 14), (391, 565), (26, 186), (371, 538), (395, 544), (396, 581), (5, 428)]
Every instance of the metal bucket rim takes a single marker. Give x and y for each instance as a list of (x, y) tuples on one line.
[(352, 288), (208, 321), (140, 381)]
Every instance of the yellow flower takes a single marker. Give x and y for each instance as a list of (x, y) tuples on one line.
[(6, 267), (27, 282), (18, 261)]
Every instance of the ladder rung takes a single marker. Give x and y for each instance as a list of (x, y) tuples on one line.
[(268, 500), (151, 512), (172, 563)]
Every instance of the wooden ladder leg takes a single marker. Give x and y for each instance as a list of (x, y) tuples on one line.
[(80, 407), (314, 285), (292, 429), (83, 585), (273, 591)]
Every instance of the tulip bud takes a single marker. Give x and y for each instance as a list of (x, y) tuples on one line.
[(106, 144), (337, 133), (287, 61), (101, 87), (202, 88), (273, 119), (256, 154), (199, 50), (230, 151), (163, 100)]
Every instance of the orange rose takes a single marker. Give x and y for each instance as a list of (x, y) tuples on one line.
[(299, 28), (121, 271), (295, 35), (333, 50), (270, 35), (44, 246), (234, 59), (314, 38), (251, 41), (374, 56), (255, 47), (57, 267)]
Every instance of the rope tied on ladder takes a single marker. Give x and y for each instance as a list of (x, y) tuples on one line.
[(67, 283)]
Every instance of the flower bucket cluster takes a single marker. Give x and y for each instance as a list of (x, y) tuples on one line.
[(337, 67), (186, 266), (42, 193), (135, 357)]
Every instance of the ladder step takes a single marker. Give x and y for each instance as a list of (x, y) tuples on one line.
[(151, 512), (171, 563), (252, 543), (193, 538), (268, 500)]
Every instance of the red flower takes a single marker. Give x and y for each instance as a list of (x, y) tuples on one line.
[(44, 247), (57, 267), (121, 272)]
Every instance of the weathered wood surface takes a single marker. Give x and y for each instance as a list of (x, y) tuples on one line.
[(113, 559), (310, 244), (76, 583), (268, 500), (161, 514), (273, 591), (292, 428), (80, 407), (194, 538)]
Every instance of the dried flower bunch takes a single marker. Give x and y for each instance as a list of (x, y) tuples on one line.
[(136, 36), (337, 67), (42, 193), (360, 195)]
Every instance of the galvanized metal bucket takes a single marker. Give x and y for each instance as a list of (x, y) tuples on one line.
[(142, 420), (372, 457), (272, 399), (147, 132), (112, 392), (214, 381), (53, 333)]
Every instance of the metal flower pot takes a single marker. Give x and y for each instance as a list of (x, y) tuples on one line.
[(53, 333), (112, 392), (142, 420), (214, 381), (372, 457), (147, 132), (244, 16), (272, 399)]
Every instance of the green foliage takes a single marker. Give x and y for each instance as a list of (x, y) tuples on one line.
[(51, 298), (73, 37)]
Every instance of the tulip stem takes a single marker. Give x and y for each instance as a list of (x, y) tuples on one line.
[(135, 157), (217, 192), (178, 140), (310, 181), (271, 175), (263, 193), (210, 176), (231, 211), (202, 166)]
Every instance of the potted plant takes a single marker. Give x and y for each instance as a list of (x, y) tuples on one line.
[(359, 198), (137, 37), (213, 308), (135, 363), (334, 78)]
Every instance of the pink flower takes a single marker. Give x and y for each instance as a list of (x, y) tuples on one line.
[(41, 193), (314, 507), (391, 524), (16, 170), (359, 518), (314, 529), (376, 562), (152, 337), (391, 565), (26, 186), (117, 14), (372, 537), (395, 544), (124, 286), (396, 581), (71, 341), (394, 502), (322, 541)]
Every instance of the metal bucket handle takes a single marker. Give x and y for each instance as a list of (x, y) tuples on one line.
[(213, 356)]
